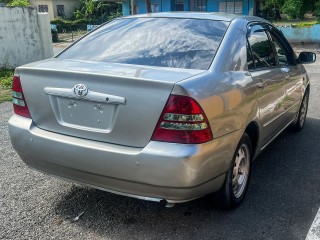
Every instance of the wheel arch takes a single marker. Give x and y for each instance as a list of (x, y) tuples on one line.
[(252, 130)]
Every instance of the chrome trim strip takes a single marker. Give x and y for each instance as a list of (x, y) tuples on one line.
[(91, 96)]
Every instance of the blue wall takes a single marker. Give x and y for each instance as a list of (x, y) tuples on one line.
[(125, 7), (311, 34), (168, 5)]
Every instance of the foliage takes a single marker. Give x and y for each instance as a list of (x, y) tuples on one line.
[(317, 8), (59, 21), (5, 84), (273, 3), (86, 10), (293, 8), (305, 24), (5, 1), (18, 3), (97, 11), (308, 6), (6, 77), (71, 25)]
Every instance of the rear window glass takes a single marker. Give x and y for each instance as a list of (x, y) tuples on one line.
[(163, 42)]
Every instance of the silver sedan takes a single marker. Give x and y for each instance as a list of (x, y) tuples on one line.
[(166, 106)]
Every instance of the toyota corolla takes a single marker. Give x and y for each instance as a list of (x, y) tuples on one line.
[(166, 106)]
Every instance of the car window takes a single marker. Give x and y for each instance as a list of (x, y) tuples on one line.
[(282, 58), (163, 42), (280, 52), (262, 51)]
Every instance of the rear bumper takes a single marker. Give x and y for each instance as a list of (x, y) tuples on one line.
[(169, 171)]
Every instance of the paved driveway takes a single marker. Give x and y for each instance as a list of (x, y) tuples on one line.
[(282, 201)]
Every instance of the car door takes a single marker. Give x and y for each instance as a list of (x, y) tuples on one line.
[(294, 74), (269, 80)]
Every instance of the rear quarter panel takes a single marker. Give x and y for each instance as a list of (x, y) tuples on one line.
[(226, 92)]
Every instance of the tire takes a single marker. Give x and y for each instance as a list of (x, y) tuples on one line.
[(302, 114), (237, 178)]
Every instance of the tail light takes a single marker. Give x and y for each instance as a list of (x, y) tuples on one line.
[(182, 121), (19, 104)]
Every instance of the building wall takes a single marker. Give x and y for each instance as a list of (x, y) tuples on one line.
[(169, 5), (36, 3), (69, 6), (21, 37)]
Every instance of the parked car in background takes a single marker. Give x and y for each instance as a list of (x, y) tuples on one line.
[(164, 106)]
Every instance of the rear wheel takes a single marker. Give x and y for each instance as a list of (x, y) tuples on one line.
[(237, 179), (302, 114)]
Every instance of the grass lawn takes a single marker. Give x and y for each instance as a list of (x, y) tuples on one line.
[(308, 22), (5, 85)]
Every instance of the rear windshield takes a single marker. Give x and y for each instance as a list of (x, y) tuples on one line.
[(162, 42)]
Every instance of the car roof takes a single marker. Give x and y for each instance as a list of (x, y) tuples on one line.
[(199, 15)]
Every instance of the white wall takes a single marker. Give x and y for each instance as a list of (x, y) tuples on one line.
[(69, 6), (36, 3), (22, 38)]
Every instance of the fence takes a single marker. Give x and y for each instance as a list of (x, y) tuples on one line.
[(69, 33)]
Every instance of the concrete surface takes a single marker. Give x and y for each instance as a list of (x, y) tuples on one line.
[(282, 201), (22, 40)]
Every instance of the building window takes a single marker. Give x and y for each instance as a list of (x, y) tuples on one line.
[(231, 7), (198, 5), (155, 7), (179, 5), (42, 8), (60, 10)]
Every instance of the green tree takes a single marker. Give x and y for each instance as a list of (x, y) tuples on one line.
[(293, 8), (273, 7), (19, 3), (317, 9), (274, 3), (97, 11), (86, 9), (308, 6)]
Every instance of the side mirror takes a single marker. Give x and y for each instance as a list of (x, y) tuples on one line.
[(307, 57)]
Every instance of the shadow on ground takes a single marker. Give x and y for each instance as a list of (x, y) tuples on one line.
[(281, 202)]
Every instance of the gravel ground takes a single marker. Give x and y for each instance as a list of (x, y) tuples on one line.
[(281, 203)]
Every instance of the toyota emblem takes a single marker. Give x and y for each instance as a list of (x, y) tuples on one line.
[(80, 90)]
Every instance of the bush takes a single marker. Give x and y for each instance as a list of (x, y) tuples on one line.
[(317, 9), (72, 25), (6, 78), (293, 8), (18, 3)]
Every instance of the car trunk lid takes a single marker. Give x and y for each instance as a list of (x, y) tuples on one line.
[(107, 102)]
